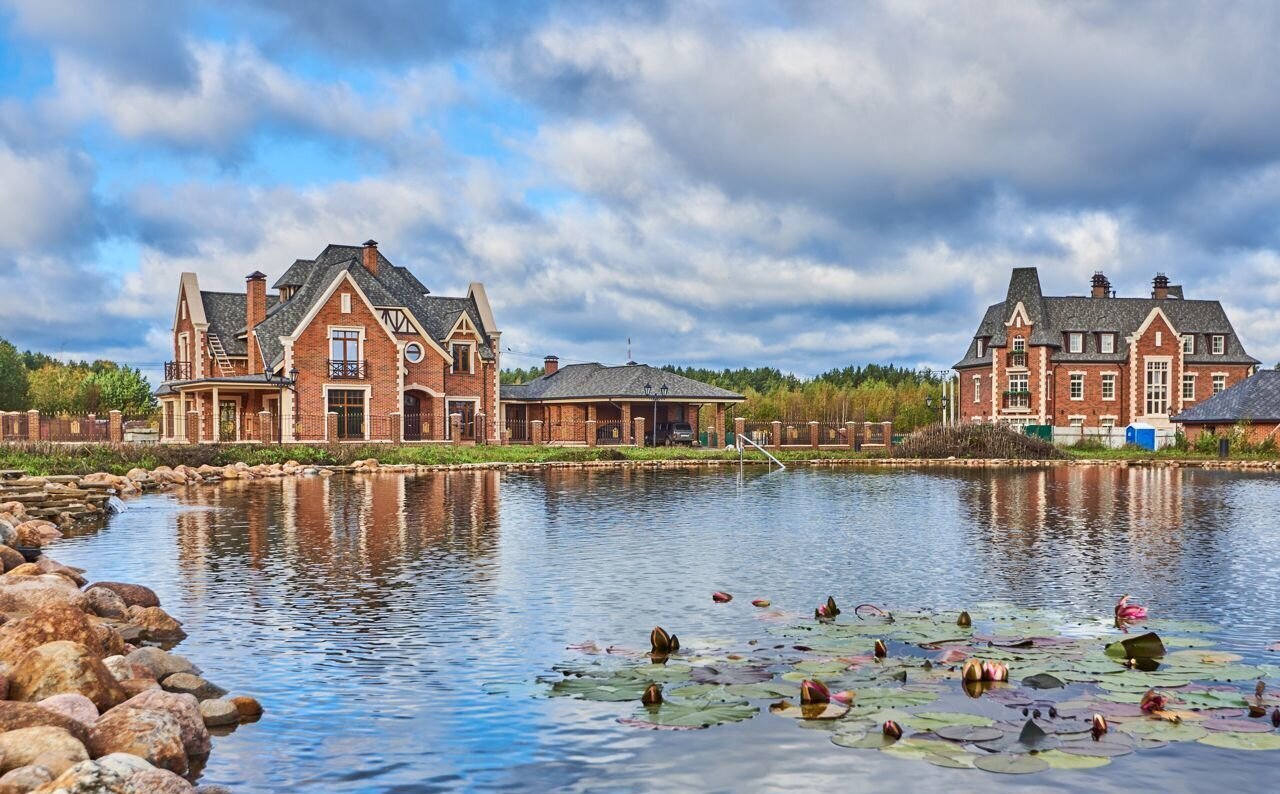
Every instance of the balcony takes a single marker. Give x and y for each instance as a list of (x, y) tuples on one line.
[(1016, 358), (177, 370), (1017, 401), (347, 370)]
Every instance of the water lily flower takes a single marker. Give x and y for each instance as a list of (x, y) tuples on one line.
[(846, 697), (721, 598), (1099, 725), (652, 695), (972, 670), (827, 611), (964, 621), (1275, 717), (952, 655), (1127, 611), (881, 650), (1153, 701), (814, 692), (891, 729), (1257, 710), (1259, 688), (662, 642), (761, 602), (994, 671)]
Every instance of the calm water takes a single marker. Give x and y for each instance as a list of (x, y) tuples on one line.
[(369, 614)]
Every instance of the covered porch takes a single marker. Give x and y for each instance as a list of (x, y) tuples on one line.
[(592, 423), (226, 411)]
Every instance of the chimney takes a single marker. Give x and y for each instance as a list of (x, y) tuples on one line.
[(255, 311), (1160, 287), (549, 365), (371, 256), (1101, 285)]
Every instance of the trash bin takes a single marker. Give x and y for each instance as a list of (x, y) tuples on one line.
[(1141, 434)]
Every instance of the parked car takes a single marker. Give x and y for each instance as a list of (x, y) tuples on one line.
[(670, 434)]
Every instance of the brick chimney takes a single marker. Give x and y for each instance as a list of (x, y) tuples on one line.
[(1101, 285), (255, 311), (1160, 287), (371, 256), (549, 365)]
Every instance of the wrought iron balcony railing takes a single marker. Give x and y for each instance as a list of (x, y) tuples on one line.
[(177, 370), (348, 370)]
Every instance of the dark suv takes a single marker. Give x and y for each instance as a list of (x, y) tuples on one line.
[(670, 434)]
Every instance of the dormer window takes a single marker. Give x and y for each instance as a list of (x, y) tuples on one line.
[(1019, 344), (982, 348), (1189, 344), (461, 358), (1106, 343), (1219, 344), (1075, 342)]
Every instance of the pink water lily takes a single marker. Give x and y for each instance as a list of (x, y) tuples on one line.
[(845, 697), (1127, 611), (994, 671), (891, 729), (761, 602), (827, 611), (812, 691), (1099, 727), (952, 656), (721, 597), (1153, 701)]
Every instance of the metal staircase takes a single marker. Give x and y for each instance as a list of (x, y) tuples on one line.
[(220, 356)]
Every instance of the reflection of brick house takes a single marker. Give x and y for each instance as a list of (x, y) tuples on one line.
[(349, 334), (562, 402), (1097, 361)]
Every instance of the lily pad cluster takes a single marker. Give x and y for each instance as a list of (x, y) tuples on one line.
[(993, 687)]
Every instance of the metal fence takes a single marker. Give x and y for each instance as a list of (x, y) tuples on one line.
[(74, 428), (759, 432), (612, 433)]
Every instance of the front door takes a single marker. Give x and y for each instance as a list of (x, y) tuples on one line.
[(468, 412), (227, 420), (412, 418)]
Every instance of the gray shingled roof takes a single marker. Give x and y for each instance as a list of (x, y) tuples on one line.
[(1053, 317), (581, 381), (1254, 399), (225, 312)]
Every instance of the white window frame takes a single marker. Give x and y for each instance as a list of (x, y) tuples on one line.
[(368, 399), (1109, 378), (977, 388), (344, 301), (182, 309), (1219, 344), (1189, 344), (1188, 378), (471, 358), (1107, 343), (422, 352), (1075, 342), (1076, 420), (1075, 379), (1213, 383), (1160, 395), (1107, 422), (1159, 338), (328, 353), (1019, 344), (982, 348), (1020, 376)]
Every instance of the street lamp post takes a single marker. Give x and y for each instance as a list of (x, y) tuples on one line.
[(928, 401), (290, 383), (653, 394)]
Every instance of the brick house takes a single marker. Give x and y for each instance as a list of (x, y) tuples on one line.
[(596, 404), (1252, 405), (351, 348), (1098, 361)]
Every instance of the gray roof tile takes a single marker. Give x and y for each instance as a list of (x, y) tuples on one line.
[(1254, 399), (581, 381)]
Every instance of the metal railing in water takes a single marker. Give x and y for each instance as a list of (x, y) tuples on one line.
[(743, 438)]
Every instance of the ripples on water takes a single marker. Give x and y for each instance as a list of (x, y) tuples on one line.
[(368, 613)]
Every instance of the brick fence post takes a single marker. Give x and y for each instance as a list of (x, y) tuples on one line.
[(535, 431), (813, 434), (888, 434), (193, 427), (394, 420), (639, 423), (739, 428), (591, 432), (849, 429), (777, 434), (455, 428), (33, 425), (331, 427), (266, 430), (482, 428), (115, 427)]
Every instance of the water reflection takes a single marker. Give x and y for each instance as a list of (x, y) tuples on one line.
[(372, 614)]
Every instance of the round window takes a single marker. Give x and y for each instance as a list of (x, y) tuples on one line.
[(413, 352)]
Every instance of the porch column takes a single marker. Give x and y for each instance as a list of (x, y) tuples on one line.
[(813, 434), (482, 428), (193, 427), (33, 425), (626, 424), (455, 428), (591, 430), (777, 433), (849, 429), (720, 424), (115, 427), (265, 431), (331, 427), (535, 431), (215, 419), (639, 423), (397, 427)]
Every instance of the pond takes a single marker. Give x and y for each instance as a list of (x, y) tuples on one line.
[(393, 625)]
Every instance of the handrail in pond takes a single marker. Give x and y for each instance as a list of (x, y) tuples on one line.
[(741, 437)]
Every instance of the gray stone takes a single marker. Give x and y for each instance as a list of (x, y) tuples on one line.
[(188, 684), (216, 711)]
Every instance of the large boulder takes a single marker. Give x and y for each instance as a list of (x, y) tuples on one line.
[(8, 535), (107, 775), (134, 595), (23, 746), (248, 707), (185, 709), (72, 706), (76, 575), (10, 558), (24, 778), (216, 712), (106, 604), (157, 781), (62, 666), (160, 663), (14, 715), (186, 683), (50, 624), (28, 593), (146, 733), (155, 625), (36, 532)]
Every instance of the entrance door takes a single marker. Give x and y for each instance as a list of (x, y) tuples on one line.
[(468, 412), (412, 417), (228, 411)]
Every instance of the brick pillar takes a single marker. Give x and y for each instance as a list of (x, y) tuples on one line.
[(639, 423), (193, 427), (482, 428), (591, 432), (266, 428), (331, 427), (115, 427), (535, 431), (850, 429), (813, 434), (455, 428), (777, 434), (888, 434), (719, 425), (626, 424), (33, 425), (396, 428), (739, 429)]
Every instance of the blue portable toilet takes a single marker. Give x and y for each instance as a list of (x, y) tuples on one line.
[(1141, 434)]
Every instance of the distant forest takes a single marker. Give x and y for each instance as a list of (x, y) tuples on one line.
[(33, 380)]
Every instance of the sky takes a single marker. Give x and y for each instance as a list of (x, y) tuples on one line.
[(784, 183)]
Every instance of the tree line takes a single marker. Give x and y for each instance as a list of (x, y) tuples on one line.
[(33, 380)]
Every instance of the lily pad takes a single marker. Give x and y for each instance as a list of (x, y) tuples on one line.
[(692, 715), (730, 675), (1005, 764), (893, 698), (1057, 759), (609, 690), (863, 740), (809, 711), (1144, 646), (1243, 741), (1092, 749), (1238, 726), (1043, 681), (1164, 730), (969, 734)]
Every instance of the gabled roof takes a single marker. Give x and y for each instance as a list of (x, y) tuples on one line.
[(585, 381), (226, 313), (1254, 399), (1052, 317)]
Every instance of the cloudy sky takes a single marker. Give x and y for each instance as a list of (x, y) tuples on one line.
[(790, 183)]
